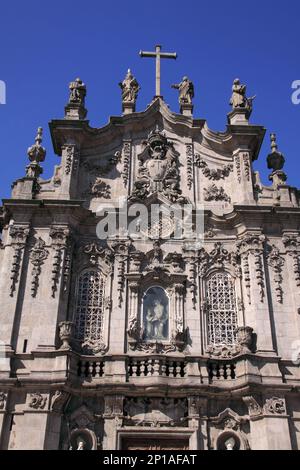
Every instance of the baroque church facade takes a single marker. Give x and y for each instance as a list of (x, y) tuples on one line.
[(181, 333)]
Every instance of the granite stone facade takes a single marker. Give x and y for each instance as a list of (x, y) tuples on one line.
[(187, 344)]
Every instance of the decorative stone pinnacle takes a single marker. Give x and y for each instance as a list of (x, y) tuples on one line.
[(36, 152), (275, 159)]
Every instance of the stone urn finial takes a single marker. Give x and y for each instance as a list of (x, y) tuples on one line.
[(36, 154), (65, 334)]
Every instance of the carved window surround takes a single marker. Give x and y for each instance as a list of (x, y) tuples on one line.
[(94, 258), (220, 260)]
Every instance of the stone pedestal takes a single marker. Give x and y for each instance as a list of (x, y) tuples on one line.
[(75, 112), (186, 109), (239, 117), (128, 107)]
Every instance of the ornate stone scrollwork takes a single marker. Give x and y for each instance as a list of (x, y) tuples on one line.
[(213, 193), (99, 188), (71, 158), (3, 399), (126, 161), (189, 164), (276, 262), (217, 258), (253, 243), (18, 236), (37, 401), (59, 236), (158, 170), (121, 250), (275, 406), (292, 246), (38, 254)]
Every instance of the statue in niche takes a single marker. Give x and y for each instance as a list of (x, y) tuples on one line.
[(186, 90), (130, 88), (239, 98), (156, 314)]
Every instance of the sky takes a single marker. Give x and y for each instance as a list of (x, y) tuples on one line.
[(45, 45)]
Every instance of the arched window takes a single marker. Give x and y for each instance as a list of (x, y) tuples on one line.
[(156, 314), (89, 315), (221, 309)]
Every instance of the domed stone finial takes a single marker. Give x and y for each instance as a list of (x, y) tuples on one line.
[(275, 159), (36, 154)]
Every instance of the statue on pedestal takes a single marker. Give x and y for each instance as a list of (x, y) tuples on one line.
[(238, 98), (186, 91), (130, 88), (77, 92)]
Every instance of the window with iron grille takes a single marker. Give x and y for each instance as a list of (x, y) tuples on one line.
[(89, 318), (221, 309)]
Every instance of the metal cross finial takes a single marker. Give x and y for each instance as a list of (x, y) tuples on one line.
[(158, 55)]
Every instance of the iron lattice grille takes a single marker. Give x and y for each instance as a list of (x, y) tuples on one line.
[(90, 307), (221, 304)]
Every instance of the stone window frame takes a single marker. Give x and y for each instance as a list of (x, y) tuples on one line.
[(228, 269), (88, 265)]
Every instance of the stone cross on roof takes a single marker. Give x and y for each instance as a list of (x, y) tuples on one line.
[(158, 55)]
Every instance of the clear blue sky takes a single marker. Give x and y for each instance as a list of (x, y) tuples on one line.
[(45, 45)]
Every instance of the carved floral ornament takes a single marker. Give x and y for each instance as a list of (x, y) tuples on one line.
[(276, 262), (19, 235), (214, 174), (275, 406), (38, 254), (37, 401)]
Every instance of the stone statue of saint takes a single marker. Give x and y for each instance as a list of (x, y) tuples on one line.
[(77, 92), (186, 91), (230, 443), (156, 315), (130, 88), (80, 443), (238, 98)]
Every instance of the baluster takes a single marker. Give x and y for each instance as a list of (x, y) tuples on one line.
[(134, 368), (178, 369), (149, 367), (171, 369), (164, 367), (156, 367), (90, 369), (86, 368), (142, 369)]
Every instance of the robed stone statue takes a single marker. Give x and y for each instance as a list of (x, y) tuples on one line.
[(186, 91)]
